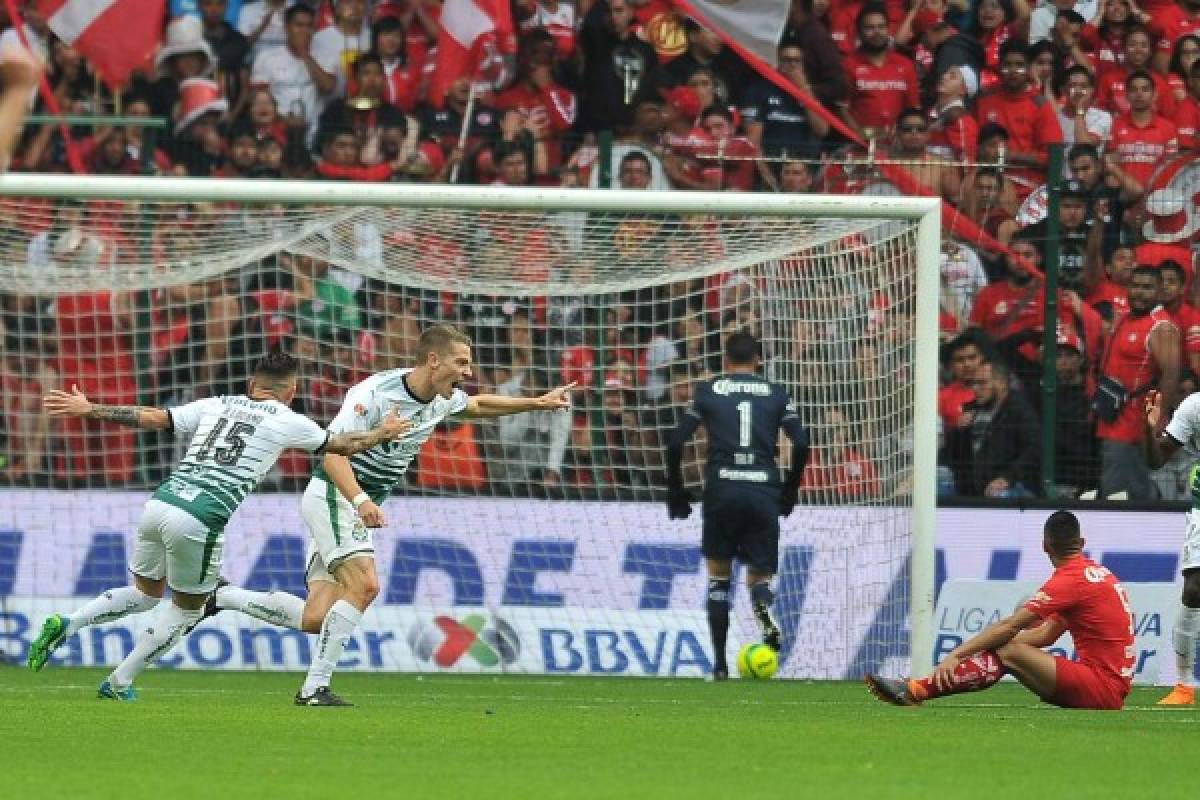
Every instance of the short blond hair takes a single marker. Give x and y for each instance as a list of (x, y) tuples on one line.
[(437, 339)]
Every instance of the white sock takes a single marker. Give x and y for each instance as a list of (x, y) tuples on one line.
[(109, 606), (1187, 630), (278, 608), (339, 623), (167, 627)]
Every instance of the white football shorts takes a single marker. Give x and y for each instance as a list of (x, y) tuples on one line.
[(336, 532), (171, 543)]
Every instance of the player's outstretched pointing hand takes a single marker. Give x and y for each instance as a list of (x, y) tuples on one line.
[(1153, 409), (394, 425), (58, 403), (556, 399)]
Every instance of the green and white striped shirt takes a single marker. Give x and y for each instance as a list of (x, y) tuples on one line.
[(379, 469), (235, 442)]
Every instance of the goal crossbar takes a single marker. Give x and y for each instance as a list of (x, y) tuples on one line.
[(236, 190)]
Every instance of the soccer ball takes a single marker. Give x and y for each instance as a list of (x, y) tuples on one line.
[(757, 661)]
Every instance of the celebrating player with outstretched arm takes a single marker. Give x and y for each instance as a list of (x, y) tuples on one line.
[(235, 440), (743, 496), (1081, 598), (1183, 431), (344, 498)]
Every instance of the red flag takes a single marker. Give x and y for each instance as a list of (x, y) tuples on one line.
[(741, 24), (470, 28), (115, 36)]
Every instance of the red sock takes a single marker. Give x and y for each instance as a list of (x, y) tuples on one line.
[(976, 673)]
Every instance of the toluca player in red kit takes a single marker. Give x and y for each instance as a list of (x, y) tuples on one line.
[(1081, 598)]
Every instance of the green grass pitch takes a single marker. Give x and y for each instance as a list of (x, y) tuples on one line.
[(220, 736)]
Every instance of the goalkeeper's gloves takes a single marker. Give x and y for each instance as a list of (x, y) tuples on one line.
[(679, 503), (788, 500)]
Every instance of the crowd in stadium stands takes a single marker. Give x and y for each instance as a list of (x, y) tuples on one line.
[(968, 96)]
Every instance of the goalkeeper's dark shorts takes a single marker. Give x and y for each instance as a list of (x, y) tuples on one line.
[(742, 524)]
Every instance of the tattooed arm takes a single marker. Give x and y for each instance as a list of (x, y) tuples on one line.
[(75, 404), (351, 442)]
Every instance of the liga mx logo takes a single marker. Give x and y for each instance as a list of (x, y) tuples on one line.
[(446, 641)]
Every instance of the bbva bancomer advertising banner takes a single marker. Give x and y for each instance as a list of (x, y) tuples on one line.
[(570, 588)]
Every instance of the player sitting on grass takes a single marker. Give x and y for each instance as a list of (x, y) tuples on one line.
[(743, 494), (342, 502), (235, 441), (1081, 598)]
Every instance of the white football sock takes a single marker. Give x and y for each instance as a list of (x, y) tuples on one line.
[(1187, 630), (109, 606), (167, 627), (339, 623), (278, 608)]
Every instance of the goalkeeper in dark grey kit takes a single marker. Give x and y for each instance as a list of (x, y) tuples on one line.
[(743, 493)]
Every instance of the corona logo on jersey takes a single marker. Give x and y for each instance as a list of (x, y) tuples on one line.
[(446, 640)]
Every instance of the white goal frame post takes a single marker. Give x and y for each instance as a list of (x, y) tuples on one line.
[(924, 211)]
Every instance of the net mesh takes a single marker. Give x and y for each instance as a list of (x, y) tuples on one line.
[(162, 303)]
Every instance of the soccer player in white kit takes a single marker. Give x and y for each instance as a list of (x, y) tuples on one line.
[(1182, 431), (342, 502), (235, 440)]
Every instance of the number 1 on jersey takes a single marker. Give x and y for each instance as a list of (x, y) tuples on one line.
[(746, 422)]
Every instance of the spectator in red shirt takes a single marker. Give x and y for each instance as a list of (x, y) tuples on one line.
[(954, 132), (263, 114), (1141, 138), (1030, 119), (965, 354), (549, 108), (1113, 93), (1172, 24), (1106, 41), (882, 82), (1142, 354), (728, 163), (1108, 289), (1187, 112), (404, 70), (997, 22), (25, 375), (1187, 50), (836, 469), (1184, 315)]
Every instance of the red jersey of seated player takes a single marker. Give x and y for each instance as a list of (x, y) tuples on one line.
[(1091, 602)]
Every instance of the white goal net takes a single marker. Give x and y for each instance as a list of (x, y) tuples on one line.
[(536, 543)]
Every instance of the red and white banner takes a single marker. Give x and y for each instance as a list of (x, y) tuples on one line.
[(115, 36), (757, 25), (741, 24), (469, 28)]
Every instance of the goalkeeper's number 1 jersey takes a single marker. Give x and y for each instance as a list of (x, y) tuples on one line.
[(380, 468), (235, 441)]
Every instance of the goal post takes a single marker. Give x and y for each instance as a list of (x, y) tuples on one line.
[(629, 293)]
